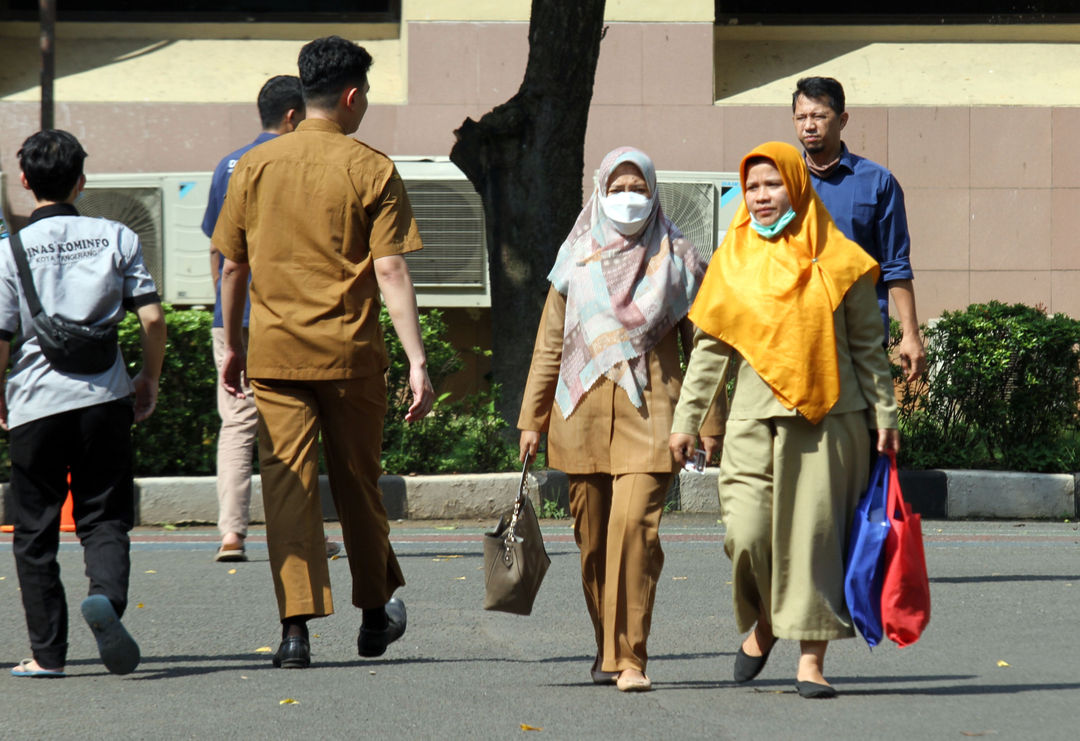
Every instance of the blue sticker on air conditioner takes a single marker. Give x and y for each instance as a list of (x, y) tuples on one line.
[(727, 192), (187, 187)]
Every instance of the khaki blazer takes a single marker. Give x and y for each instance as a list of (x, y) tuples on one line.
[(606, 433), (865, 379)]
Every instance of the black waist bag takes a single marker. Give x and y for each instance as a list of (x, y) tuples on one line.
[(69, 347), (75, 348)]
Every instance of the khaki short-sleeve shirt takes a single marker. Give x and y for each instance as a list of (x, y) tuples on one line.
[(310, 211)]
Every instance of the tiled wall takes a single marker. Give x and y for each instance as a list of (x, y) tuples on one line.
[(993, 192)]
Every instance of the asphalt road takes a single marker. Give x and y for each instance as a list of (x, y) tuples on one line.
[(1000, 657)]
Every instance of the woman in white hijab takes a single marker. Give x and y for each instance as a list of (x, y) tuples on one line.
[(603, 383)]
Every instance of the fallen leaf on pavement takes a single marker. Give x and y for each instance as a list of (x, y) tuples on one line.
[(288, 701), (264, 650), (526, 727), (151, 571), (139, 606), (231, 571), (1003, 663)]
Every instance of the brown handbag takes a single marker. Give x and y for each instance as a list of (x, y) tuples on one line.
[(515, 560)]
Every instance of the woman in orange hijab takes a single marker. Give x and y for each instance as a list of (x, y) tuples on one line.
[(788, 309)]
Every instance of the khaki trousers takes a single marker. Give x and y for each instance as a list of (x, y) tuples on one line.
[(348, 415), (788, 491), (236, 447), (616, 526)]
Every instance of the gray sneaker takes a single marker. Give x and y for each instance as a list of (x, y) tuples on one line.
[(119, 651)]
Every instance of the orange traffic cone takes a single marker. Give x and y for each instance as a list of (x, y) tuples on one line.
[(67, 520)]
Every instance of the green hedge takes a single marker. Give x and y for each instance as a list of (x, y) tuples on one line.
[(180, 438), (1000, 392)]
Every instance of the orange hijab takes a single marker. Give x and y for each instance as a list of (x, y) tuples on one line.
[(773, 299)]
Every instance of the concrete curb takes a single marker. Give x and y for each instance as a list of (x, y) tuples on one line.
[(935, 494)]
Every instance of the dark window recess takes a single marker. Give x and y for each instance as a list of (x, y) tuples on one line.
[(164, 11), (922, 12)]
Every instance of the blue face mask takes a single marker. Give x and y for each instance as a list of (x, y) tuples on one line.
[(776, 227)]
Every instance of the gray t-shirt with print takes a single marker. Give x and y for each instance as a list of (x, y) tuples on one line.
[(86, 270)]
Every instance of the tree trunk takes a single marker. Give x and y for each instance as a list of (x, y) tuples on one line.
[(526, 160)]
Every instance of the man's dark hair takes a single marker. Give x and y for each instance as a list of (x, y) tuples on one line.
[(278, 96), (52, 161), (815, 88), (328, 65)]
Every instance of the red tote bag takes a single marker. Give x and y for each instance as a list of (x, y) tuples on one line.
[(905, 594)]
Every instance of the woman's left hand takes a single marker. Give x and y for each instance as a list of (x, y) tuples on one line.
[(888, 440)]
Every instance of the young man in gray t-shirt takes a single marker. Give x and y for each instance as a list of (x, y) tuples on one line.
[(88, 271)]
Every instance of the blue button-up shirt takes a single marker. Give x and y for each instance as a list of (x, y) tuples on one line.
[(867, 204), (218, 185)]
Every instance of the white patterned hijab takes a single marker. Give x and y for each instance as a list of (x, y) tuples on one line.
[(623, 293)]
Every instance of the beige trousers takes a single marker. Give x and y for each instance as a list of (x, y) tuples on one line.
[(616, 525), (235, 450), (348, 416), (788, 491)]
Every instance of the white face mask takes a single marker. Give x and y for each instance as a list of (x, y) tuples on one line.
[(627, 211)]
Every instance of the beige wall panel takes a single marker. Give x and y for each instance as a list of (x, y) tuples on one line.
[(1065, 229), (466, 63), (1010, 147), (930, 147), (745, 127), (1065, 286), (977, 65), (619, 68), (1031, 287), (1010, 229), (938, 220), (866, 134), (443, 63), (612, 126), (501, 57), (519, 10), (940, 290), (426, 130), (174, 70), (673, 73), (684, 137), (1065, 150)]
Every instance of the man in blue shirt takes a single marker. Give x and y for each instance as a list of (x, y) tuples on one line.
[(281, 108), (865, 201)]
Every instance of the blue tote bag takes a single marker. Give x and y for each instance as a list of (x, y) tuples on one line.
[(865, 569)]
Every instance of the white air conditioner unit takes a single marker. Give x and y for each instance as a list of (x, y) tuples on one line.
[(701, 204), (166, 211), (452, 269)]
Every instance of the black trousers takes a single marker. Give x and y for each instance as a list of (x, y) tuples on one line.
[(94, 445)]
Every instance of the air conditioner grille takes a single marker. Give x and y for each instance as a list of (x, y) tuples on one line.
[(692, 208), (450, 217), (139, 209)]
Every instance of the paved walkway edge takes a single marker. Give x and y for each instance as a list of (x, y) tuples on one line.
[(936, 494)]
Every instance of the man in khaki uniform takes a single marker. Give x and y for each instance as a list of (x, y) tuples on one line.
[(321, 223)]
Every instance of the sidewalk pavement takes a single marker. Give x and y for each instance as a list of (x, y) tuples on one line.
[(953, 495), (998, 659)]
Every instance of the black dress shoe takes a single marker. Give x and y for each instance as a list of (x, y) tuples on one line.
[(815, 691), (371, 643), (747, 667), (293, 653)]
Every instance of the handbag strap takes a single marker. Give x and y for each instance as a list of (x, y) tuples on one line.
[(25, 277), (519, 500)]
